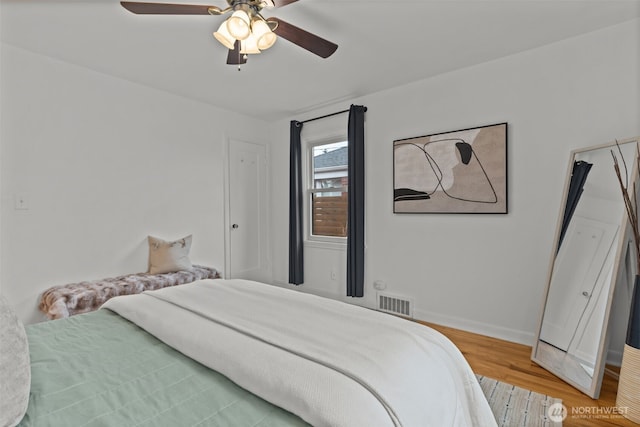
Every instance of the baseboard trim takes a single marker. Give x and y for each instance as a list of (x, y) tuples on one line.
[(306, 289), (507, 334), (362, 302), (493, 331), (614, 358)]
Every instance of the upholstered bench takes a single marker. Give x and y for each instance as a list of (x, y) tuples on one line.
[(75, 298)]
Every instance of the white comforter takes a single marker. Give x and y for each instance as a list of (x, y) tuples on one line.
[(330, 363)]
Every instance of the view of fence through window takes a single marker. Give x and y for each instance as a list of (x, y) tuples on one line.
[(329, 193)]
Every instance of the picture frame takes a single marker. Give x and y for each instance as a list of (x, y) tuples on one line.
[(462, 171)]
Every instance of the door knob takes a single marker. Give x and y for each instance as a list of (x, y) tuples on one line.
[(235, 226)]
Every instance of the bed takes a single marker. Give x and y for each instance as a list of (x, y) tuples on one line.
[(241, 353)]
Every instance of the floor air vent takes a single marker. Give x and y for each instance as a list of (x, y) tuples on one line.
[(395, 305)]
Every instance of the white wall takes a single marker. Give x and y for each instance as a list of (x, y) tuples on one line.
[(484, 273), (1, 203), (103, 163)]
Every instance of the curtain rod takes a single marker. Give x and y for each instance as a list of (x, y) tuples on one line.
[(328, 115)]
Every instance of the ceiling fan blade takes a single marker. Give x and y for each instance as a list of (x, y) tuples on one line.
[(234, 57), (168, 8), (304, 39), (280, 3)]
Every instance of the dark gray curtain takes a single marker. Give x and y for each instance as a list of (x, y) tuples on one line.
[(579, 174), (355, 215), (296, 255)]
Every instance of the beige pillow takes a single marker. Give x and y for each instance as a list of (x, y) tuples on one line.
[(15, 369), (166, 257)]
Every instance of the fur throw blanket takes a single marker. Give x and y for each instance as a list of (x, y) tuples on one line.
[(75, 298)]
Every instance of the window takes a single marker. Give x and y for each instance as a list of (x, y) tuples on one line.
[(327, 189)]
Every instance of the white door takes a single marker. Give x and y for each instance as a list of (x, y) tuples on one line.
[(247, 220), (577, 270)]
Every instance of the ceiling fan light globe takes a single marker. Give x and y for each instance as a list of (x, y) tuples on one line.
[(238, 25), (263, 34), (223, 36), (249, 45), (266, 41)]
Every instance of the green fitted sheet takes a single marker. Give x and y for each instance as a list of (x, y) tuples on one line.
[(98, 369)]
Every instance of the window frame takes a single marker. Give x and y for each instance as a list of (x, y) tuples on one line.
[(309, 184)]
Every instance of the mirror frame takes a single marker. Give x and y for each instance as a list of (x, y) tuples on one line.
[(621, 246)]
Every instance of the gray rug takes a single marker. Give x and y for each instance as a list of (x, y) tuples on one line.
[(514, 406)]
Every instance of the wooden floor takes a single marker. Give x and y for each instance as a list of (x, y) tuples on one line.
[(511, 363)]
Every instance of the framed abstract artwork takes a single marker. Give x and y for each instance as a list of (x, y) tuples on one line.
[(463, 171)]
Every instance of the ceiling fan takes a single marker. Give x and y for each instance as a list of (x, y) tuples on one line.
[(245, 31)]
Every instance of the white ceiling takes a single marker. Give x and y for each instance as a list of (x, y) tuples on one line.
[(382, 44)]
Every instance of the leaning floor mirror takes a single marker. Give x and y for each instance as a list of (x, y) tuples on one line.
[(591, 256)]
